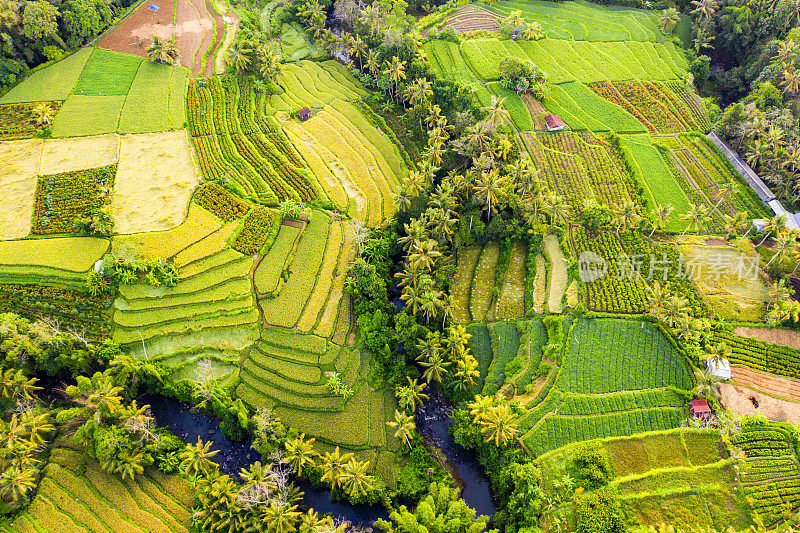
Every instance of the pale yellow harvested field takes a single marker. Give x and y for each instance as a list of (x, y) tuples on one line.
[(78, 153), (155, 179), (165, 244), (76, 254), (19, 164), (540, 285)]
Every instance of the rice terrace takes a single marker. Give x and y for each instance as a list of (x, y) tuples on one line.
[(354, 266)]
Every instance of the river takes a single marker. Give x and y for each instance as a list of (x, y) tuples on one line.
[(432, 421)]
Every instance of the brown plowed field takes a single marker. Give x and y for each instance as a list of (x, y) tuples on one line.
[(193, 31), (769, 383), (783, 337)]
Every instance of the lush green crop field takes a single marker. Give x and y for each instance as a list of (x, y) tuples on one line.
[(505, 344), (587, 62), (618, 378), (653, 173), (107, 73), (581, 166), (285, 309), (586, 21), (147, 107), (88, 115), (481, 294), (520, 116), (272, 266), (54, 82), (582, 109)]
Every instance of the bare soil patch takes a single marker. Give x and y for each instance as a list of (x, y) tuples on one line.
[(19, 165), (537, 111), (155, 179), (772, 335), (740, 399), (193, 31)]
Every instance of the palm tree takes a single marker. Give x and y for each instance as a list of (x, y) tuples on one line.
[(625, 216), (418, 93), (435, 369), (238, 56), (721, 195), (697, 216), (16, 384), (466, 370), (277, 518), (668, 19), (489, 189), (500, 424), (496, 113), (404, 426), (311, 522), (409, 396), (43, 114), (15, 483), (557, 207), (432, 301), (661, 215), (717, 352), (787, 51), (359, 48), (396, 70), (270, 66), (703, 40), (374, 17), (196, 458), (332, 464), (355, 480), (373, 63), (424, 255), (733, 223), (300, 453), (773, 226), (705, 8), (783, 242), (480, 407), (791, 81)]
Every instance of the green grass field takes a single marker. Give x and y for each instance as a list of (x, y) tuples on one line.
[(153, 99), (73, 254), (54, 82), (618, 378), (107, 73), (88, 115), (586, 21), (582, 109)]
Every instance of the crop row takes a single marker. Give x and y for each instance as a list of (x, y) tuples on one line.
[(19, 120), (249, 146), (770, 500), (609, 355), (692, 101), (654, 105), (62, 198), (583, 405), (73, 308), (757, 471), (762, 356), (220, 201), (620, 290), (556, 431)]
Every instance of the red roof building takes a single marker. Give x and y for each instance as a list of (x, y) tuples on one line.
[(554, 123), (304, 113), (699, 408)]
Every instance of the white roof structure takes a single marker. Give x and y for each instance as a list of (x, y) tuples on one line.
[(722, 368), (760, 188)]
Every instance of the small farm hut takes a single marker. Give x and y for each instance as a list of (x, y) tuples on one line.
[(720, 368), (554, 123), (699, 409), (304, 113)]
